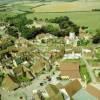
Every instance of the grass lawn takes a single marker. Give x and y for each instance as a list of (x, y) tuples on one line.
[(84, 73)]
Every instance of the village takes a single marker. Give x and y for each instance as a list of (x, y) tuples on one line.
[(49, 67)]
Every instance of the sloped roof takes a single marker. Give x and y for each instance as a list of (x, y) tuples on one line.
[(54, 93), (52, 90), (82, 94), (70, 69), (18, 70), (59, 85), (71, 73), (72, 87), (57, 97), (29, 75), (36, 96), (93, 91), (9, 83), (69, 66), (38, 66)]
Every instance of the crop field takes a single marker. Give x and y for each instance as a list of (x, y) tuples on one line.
[(67, 6), (79, 11)]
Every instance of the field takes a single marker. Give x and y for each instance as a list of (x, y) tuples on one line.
[(79, 11), (67, 6), (84, 74), (90, 19)]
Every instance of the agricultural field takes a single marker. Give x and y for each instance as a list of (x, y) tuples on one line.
[(67, 6), (79, 11)]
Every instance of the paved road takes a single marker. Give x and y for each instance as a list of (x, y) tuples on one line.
[(89, 68)]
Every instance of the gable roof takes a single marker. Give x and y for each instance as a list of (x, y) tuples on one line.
[(82, 94), (29, 75), (38, 66), (9, 83), (18, 69), (59, 85), (57, 97), (93, 90), (72, 87), (54, 92), (36, 96)]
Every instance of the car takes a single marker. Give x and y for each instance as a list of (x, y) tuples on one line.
[(41, 84), (58, 78)]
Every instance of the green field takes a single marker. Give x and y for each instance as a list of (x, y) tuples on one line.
[(81, 14), (90, 19), (84, 73)]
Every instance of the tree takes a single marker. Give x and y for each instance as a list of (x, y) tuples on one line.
[(50, 29), (13, 31), (1, 77), (96, 37)]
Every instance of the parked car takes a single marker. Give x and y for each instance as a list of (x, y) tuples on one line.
[(41, 84)]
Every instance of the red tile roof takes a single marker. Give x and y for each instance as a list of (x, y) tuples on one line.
[(93, 90), (70, 69), (72, 87)]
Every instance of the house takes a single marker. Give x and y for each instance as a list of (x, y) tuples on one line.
[(93, 91), (56, 54), (88, 52), (67, 40), (37, 95), (70, 69), (9, 83), (72, 35), (72, 87), (82, 94), (90, 93), (44, 37), (29, 75), (23, 71), (72, 52), (39, 65), (53, 92), (18, 71)]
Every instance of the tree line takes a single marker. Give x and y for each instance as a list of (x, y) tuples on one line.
[(17, 26)]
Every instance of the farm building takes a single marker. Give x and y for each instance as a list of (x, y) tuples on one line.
[(70, 70)]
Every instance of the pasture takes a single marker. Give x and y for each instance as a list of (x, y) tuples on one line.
[(67, 6), (79, 11)]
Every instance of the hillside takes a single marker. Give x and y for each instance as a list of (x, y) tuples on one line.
[(8, 1)]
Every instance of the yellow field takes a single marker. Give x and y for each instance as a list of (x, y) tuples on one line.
[(57, 7), (67, 6)]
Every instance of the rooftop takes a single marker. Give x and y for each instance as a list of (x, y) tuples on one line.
[(93, 91), (70, 69), (72, 87)]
